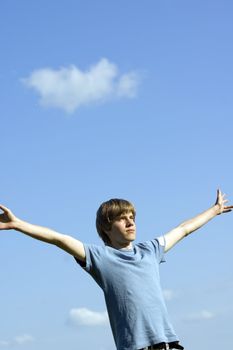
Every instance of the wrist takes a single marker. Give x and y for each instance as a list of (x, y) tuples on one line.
[(217, 209), (16, 224)]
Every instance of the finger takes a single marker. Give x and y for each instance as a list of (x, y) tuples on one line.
[(219, 195), (4, 208), (218, 198), (3, 226), (227, 211), (229, 207)]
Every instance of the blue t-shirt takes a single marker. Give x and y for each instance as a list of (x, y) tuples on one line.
[(131, 284)]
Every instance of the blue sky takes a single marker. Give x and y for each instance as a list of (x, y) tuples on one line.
[(103, 99)]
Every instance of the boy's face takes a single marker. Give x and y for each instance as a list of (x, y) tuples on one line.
[(123, 231)]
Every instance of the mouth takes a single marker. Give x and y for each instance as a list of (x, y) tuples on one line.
[(130, 231)]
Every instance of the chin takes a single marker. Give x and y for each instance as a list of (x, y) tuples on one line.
[(132, 239)]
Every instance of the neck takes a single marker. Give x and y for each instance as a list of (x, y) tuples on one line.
[(118, 245)]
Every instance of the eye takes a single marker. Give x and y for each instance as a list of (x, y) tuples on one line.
[(120, 218)]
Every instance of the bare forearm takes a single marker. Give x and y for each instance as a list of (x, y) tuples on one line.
[(198, 221), (38, 232), (65, 242), (189, 226)]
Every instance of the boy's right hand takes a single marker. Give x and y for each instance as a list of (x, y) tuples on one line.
[(7, 219)]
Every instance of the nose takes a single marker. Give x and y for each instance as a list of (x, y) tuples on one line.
[(129, 222)]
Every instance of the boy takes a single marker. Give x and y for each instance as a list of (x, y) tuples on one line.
[(128, 274)]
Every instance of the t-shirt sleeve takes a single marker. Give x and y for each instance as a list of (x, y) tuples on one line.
[(93, 257), (94, 262), (157, 246)]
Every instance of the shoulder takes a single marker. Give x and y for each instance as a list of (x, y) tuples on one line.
[(155, 246), (152, 243), (94, 255)]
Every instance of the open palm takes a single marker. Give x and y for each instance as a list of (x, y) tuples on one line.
[(221, 201)]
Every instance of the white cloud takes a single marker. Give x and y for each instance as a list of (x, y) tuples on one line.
[(19, 340), (201, 315), (23, 339), (69, 88), (86, 317), (127, 85), (4, 343)]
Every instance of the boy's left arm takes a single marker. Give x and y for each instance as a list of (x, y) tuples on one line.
[(185, 228)]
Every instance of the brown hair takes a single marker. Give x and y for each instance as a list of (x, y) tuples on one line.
[(107, 214)]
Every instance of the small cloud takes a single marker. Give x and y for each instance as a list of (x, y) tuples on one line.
[(168, 294), (86, 317), (4, 343), (127, 85), (19, 340), (69, 88), (23, 339), (201, 315)]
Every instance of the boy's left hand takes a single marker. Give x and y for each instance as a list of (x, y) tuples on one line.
[(220, 203)]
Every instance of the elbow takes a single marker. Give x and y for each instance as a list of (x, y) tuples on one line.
[(184, 229), (189, 228), (59, 240)]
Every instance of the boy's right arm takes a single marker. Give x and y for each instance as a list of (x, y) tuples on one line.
[(71, 245)]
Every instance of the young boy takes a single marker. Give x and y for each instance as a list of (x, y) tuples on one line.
[(127, 273)]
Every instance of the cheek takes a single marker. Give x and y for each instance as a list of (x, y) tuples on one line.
[(118, 227)]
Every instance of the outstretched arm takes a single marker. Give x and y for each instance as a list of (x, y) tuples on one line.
[(184, 229), (71, 245)]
